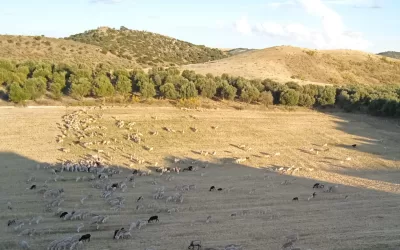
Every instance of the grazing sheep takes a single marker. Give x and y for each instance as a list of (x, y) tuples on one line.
[(295, 199), (9, 205), (153, 218), (63, 214), (208, 219), (195, 243), (354, 145), (212, 188), (220, 189), (32, 187), (11, 222), (139, 199), (24, 245), (318, 185), (79, 227), (85, 237)]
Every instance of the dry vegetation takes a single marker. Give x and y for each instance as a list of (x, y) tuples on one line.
[(37, 48), (262, 161), (146, 48), (392, 54), (286, 63)]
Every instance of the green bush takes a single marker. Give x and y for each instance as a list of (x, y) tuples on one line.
[(189, 74), (228, 92), (102, 86), (266, 98), (188, 90), (123, 85), (58, 84), (295, 86), (306, 100), (289, 97), (35, 87), (207, 87), (249, 94), (168, 91), (147, 90), (326, 96), (80, 87), (17, 94)]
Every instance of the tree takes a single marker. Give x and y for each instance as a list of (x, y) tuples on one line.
[(249, 93), (58, 83), (306, 100), (207, 87), (188, 90), (102, 86), (326, 96), (294, 85), (168, 91), (35, 87), (258, 84), (80, 87), (123, 85), (289, 97), (189, 74), (390, 108), (266, 98), (17, 94), (228, 92), (147, 90), (45, 73)]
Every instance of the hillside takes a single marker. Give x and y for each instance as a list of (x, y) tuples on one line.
[(56, 51), (285, 63), (146, 48), (392, 54), (237, 51)]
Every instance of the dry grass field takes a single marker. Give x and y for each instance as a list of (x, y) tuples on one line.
[(286, 154), (287, 63)]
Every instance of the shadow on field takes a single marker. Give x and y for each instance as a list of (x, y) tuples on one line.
[(374, 135), (254, 208)]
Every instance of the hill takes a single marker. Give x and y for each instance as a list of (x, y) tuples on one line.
[(236, 51), (146, 48), (285, 63), (392, 54), (54, 50)]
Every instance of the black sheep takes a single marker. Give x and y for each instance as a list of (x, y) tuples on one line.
[(212, 188), (314, 194), (195, 243), (115, 233), (139, 199), (63, 214), (85, 237), (114, 185), (32, 187), (10, 222), (354, 145), (153, 218), (295, 199), (220, 189)]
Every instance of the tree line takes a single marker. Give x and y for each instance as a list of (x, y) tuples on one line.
[(32, 80)]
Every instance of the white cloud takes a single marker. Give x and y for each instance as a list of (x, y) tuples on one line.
[(243, 26), (333, 33), (351, 3), (106, 1)]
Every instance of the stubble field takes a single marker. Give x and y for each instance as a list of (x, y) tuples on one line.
[(281, 156)]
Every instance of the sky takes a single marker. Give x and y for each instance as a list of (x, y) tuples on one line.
[(368, 25)]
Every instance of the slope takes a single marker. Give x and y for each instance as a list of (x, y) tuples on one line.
[(146, 48), (57, 51), (392, 54), (285, 63)]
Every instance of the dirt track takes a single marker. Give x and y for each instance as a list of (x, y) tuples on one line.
[(368, 175)]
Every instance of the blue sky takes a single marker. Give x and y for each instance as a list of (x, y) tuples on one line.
[(370, 25)]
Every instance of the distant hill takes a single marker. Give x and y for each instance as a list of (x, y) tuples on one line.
[(236, 51), (286, 63), (392, 54), (40, 48), (146, 48)]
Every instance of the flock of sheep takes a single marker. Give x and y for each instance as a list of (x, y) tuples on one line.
[(83, 129)]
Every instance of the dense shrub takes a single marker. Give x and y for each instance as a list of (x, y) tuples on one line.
[(35, 87), (306, 100), (266, 98), (17, 94), (147, 90), (207, 87), (168, 91), (290, 97), (326, 96), (58, 84), (102, 86), (123, 84), (228, 92), (80, 87), (249, 94), (188, 90)]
